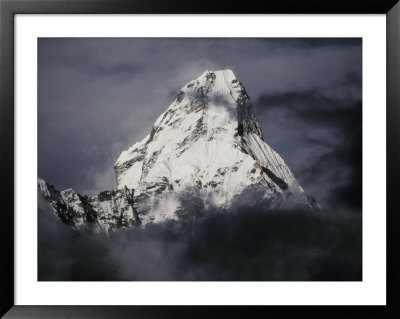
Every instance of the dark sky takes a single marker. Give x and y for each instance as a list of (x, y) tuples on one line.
[(99, 96)]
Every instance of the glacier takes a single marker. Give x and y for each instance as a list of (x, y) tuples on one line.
[(207, 144)]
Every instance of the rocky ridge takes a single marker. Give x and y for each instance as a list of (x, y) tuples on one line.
[(207, 143)]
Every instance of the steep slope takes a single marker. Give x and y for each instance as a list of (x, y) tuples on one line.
[(207, 146), (105, 212), (209, 139)]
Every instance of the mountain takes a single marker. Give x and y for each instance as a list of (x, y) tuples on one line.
[(207, 145), (105, 212)]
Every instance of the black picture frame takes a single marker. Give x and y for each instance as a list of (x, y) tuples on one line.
[(9, 8)]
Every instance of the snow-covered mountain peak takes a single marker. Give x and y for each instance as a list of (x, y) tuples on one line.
[(223, 80), (208, 145), (220, 87), (226, 75), (208, 139)]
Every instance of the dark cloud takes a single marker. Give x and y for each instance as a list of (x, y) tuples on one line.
[(314, 43), (98, 96), (247, 244), (352, 79), (341, 158), (65, 254), (122, 71), (327, 42)]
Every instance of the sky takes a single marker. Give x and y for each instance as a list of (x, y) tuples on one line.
[(98, 96)]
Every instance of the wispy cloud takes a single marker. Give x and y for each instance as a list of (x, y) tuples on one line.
[(243, 245), (99, 96)]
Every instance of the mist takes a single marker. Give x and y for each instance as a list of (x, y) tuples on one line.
[(246, 243), (97, 97)]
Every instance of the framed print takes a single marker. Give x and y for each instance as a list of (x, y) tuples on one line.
[(169, 160)]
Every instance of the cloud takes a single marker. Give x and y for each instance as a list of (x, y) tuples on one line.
[(336, 156), (322, 42), (245, 244), (99, 96), (352, 78)]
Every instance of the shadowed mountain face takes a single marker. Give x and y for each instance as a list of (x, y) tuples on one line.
[(206, 146)]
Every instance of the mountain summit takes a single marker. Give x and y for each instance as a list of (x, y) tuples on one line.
[(209, 138), (207, 143)]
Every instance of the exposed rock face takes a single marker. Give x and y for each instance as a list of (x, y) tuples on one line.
[(106, 211), (208, 138), (207, 142)]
